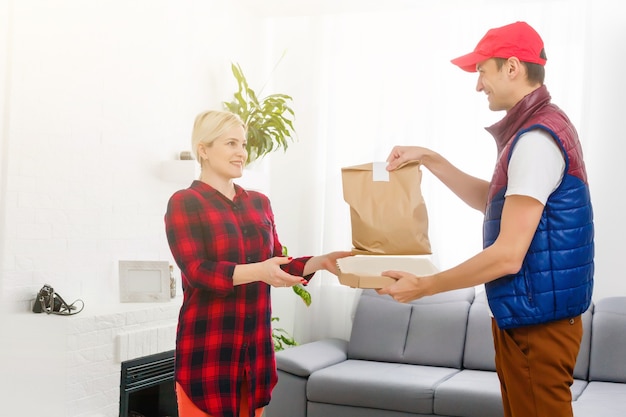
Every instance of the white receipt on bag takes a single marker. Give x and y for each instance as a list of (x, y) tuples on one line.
[(379, 171)]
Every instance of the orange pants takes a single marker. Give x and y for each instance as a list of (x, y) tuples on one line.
[(186, 408), (535, 365)]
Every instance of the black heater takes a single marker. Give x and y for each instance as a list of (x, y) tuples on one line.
[(147, 387)]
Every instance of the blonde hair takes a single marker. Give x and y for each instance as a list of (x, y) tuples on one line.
[(210, 125)]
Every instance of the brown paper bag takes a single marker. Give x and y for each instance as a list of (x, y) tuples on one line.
[(387, 217)]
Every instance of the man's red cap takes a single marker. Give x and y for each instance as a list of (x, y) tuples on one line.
[(517, 39)]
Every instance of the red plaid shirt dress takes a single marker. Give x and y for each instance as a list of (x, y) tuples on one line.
[(224, 331)]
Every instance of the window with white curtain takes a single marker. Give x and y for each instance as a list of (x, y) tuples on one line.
[(364, 81)]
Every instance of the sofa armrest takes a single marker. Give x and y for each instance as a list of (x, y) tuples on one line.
[(305, 359)]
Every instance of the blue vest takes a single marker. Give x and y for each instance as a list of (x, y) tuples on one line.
[(556, 278)]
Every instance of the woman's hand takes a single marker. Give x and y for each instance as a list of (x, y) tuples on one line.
[(268, 271), (327, 262)]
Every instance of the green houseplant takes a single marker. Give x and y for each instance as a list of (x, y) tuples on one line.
[(270, 127), (269, 119)]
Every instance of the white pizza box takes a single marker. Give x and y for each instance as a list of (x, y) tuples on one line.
[(364, 271)]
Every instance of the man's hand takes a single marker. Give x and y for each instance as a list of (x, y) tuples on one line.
[(408, 287), (401, 155)]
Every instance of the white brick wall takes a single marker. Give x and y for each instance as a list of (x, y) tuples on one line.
[(87, 116), (84, 131), (83, 354), (109, 339)]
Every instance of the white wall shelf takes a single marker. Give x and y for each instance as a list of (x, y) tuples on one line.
[(180, 171)]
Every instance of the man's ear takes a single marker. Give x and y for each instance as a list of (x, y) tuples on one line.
[(514, 67)]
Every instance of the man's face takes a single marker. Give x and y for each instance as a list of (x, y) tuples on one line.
[(496, 84)]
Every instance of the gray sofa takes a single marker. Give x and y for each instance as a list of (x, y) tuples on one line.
[(435, 356)]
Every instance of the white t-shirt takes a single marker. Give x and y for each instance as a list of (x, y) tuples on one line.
[(536, 166)]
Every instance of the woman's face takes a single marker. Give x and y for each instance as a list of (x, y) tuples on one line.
[(226, 156)]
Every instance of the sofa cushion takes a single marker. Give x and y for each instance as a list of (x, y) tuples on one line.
[(472, 393), (334, 410), (379, 329), (479, 350), (577, 388), (307, 358), (601, 399), (469, 393), (608, 341), (581, 371), (382, 385), (437, 334)]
